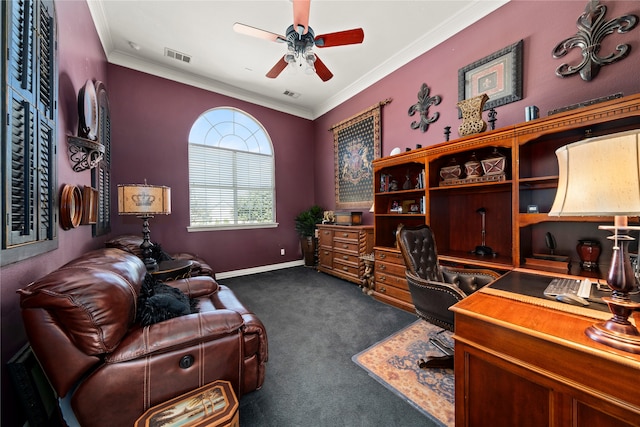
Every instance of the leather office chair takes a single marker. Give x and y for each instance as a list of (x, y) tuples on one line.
[(435, 288)]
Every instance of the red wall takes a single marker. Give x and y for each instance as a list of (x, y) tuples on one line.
[(80, 57), (541, 24), (151, 120)]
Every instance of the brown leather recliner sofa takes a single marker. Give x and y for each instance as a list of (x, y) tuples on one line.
[(80, 322), (131, 243)]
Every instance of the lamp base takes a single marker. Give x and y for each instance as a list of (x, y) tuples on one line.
[(617, 332)]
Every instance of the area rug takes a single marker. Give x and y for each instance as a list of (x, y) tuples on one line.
[(394, 363)]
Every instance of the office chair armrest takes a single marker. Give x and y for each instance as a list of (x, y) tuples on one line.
[(469, 280)]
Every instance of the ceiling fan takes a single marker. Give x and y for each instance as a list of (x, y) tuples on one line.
[(300, 40)]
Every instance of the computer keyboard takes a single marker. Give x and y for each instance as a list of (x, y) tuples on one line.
[(562, 286)]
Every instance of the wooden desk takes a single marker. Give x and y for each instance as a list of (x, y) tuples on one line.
[(522, 364)]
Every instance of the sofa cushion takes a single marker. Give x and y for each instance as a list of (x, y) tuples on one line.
[(93, 297), (158, 302)]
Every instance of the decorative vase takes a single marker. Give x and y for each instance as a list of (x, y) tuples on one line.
[(495, 163), (471, 110), (308, 244), (451, 171), (589, 252), (472, 167)]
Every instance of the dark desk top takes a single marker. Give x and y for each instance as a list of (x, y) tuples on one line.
[(533, 285)]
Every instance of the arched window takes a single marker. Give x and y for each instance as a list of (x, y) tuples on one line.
[(231, 172)]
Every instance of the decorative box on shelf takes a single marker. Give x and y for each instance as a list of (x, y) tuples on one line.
[(347, 218)]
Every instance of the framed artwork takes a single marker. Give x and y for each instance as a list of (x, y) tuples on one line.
[(356, 142), (499, 75)]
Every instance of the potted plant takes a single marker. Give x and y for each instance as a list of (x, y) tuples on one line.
[(306, 228)]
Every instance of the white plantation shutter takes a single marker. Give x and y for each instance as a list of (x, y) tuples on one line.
[(231, 171)]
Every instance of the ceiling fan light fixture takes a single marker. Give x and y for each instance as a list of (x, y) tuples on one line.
[(310, 59)]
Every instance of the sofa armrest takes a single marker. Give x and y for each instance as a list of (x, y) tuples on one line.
[(179, 332), (195, 287)]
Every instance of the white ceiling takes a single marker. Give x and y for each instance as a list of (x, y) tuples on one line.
[(233, 64)]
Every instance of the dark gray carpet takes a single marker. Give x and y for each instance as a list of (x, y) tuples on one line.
[(315, 323)]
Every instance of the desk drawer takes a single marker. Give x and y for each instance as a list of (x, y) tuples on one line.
[(393, 292), (394, 257), (390, 268), (389, 280)]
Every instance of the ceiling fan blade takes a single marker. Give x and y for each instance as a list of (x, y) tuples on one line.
[(257, 32), (301, 14), (322, 71), (277, 69), (340, 38)]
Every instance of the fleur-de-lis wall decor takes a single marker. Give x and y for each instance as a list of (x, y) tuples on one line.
[(592, 29), (422, 106)]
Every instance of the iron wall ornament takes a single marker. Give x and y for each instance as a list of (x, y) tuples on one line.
[(422, 106), (592, 29)]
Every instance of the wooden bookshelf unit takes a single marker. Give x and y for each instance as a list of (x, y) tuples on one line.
[(409, 190)]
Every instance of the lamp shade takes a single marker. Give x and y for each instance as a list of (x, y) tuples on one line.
[(599, 177), (143, 199)]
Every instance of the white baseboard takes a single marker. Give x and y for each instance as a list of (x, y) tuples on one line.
[(261, 269)]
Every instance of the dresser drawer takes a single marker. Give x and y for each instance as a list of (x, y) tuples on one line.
[(344, 257), (325, 258), (349, 269), (345, 245), (347, 234), (325, 237)]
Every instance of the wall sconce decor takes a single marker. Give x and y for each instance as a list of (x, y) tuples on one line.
[(592, 29), (422, 107), (85, 151), (144, 201)]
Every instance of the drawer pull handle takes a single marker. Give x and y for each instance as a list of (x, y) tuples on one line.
[(383, 256), (345, 256), (345, 246), (345, 268), (345, 235), (383, 278), (383, 289), (382, 267)]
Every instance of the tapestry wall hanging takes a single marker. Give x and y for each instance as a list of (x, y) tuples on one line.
[(356, 142)]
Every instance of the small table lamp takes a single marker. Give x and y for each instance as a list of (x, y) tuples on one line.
[(601, 177), (144, 201)]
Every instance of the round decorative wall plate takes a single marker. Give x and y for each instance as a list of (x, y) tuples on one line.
[(70, 207), (88, 103)]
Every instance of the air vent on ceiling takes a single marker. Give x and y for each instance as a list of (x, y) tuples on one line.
[(177, 55), (291, 94)]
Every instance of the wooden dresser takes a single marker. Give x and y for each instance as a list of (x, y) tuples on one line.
[(341, 248), (525, 362)]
